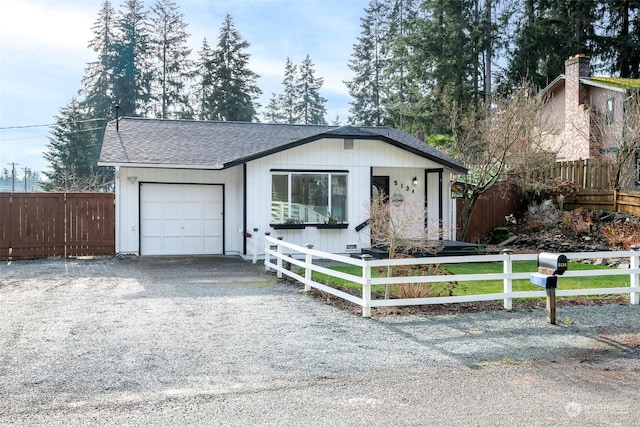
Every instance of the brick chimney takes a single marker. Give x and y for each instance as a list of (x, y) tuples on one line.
[(576, 68)]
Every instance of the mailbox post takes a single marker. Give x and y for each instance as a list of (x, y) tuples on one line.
[(550, 266)]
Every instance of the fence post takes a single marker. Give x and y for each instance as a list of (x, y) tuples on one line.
[(279, 260), (256, 238), (308, 261), (634, 297), (508, 282), (366, 286), (267, 248)]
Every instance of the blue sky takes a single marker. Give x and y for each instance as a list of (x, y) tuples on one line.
[(43, 53)]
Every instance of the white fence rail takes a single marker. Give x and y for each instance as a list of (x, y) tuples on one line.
[(303, 257)]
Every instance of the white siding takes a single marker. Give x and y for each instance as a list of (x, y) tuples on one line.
[(128, 199), (368, 156)]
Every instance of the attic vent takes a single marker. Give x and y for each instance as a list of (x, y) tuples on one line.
[(348, 144)]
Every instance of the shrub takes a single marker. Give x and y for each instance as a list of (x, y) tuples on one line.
[(579, 220), (499, 234), (424, 290), (621, 233)]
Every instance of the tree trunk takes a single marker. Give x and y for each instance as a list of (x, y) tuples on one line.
[(465, 216)]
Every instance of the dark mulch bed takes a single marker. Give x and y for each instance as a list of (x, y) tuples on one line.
[(459, 308)]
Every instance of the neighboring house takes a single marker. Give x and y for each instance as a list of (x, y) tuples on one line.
[(586, 112), (196, 187)]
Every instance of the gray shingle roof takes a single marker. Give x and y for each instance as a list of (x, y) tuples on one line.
[(218, 145)]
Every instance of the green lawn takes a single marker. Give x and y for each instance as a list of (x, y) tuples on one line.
[(493, 286)]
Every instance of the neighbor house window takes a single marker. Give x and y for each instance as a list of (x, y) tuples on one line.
[(308, 197), (610, 111)]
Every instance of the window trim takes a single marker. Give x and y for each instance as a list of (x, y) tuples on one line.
[(290, 173)]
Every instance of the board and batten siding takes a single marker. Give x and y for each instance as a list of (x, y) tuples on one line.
[(128, 202), (368, 157)]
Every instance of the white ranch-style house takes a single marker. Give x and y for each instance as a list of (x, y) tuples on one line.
[(203, 188)]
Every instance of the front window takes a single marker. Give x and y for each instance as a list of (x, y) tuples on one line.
[(308, 197)]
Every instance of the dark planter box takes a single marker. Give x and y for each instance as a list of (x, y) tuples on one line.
[(333, 226), (287, 226)]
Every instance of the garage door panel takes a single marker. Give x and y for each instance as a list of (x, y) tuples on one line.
[(151, 211), (181, 219), (213, 211), (193, 228), (153, 228), (193, 210), (172, 228)]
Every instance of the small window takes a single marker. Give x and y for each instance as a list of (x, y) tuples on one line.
[(308, 198), (609, 115), (348, 144)]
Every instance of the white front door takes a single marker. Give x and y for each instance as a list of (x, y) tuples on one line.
[(181, 219)]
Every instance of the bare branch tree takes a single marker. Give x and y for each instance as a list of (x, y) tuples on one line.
[(401, 227), (507, 141)]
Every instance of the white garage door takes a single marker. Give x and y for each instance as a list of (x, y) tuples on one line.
[(180, 219)]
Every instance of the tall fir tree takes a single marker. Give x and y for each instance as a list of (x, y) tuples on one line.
[(546, 33), (234, 95), (173, 68), (619, 45), (310, 106), (274, 111), (100, 74), (73, 151), (290, 95), (132, 82), (368, 65), (204, 85)]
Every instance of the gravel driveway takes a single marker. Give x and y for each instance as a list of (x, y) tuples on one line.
[(218, 341)]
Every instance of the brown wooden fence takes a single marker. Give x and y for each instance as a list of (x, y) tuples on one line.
[(612, 201), (490, 210), (42, 225), (585, 174)]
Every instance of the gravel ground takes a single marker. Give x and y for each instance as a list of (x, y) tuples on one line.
[(177, 341)]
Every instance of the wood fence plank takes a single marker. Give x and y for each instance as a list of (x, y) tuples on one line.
[(41, 225)]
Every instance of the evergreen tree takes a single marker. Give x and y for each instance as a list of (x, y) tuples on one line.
[(290, 96), (310, 106), (273, 110), (396, 46), (204, 87), (234, 90), (368, 64), (132, 83), (546, 33), (73, 151), (173, 69), (99, 74), (619, 45)]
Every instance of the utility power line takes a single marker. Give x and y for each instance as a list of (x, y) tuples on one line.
[(48, 124)]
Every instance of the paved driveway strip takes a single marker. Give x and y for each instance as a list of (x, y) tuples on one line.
[(217, 340)]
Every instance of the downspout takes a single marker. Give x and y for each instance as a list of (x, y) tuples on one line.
[(244, 209)]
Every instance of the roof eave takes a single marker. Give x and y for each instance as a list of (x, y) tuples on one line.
[(161, 165), (372, 136), (602, 85)]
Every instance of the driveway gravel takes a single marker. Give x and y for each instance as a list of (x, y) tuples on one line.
[(218, 341)]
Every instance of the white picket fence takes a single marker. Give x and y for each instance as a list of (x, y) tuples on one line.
[(304, 257)]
